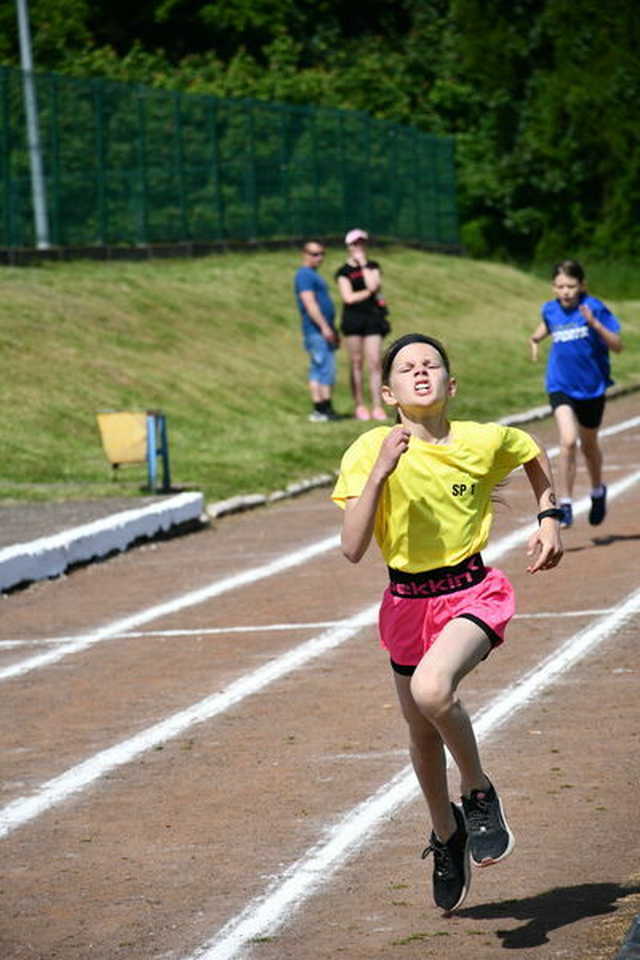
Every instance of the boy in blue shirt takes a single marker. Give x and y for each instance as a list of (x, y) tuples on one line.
[(583, 331)]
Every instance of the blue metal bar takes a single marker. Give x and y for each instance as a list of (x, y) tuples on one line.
[(152, 451)]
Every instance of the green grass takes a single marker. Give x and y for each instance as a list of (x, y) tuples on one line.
[(215, 344)]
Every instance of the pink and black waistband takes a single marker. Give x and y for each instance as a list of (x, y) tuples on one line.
[(437, 582)]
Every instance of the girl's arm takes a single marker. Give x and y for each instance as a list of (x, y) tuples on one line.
[(538, 334), (371, 277), (360, 512), (545, 545), (613, 340)]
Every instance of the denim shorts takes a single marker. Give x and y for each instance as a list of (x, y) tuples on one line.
[(322, 359)]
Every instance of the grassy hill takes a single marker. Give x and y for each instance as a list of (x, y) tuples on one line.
[(215, 344)]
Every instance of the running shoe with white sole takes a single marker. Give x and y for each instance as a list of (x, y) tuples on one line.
[(451, 872), (490, 838)]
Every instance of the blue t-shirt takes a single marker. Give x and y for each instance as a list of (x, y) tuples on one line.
[(307, 278), (578, 362)]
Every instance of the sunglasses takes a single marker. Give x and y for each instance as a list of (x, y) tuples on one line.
[(315, 253)]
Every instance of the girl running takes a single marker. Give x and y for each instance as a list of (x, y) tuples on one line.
[(423, 488), (583, 330)]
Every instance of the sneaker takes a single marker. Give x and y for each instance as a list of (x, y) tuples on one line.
[(332, 415), (490, 838), (317, 417), (362, 413), (451, 873), (567, 515), (598, 508)]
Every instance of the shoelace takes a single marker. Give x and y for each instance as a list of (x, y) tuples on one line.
[(481, 816), (441, 856)]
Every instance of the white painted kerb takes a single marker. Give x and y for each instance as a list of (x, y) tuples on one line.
[(51, 556)]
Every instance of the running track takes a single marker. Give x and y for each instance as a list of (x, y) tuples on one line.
[(167, 681)]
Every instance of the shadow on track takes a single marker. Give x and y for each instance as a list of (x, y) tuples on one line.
[(549, 910)]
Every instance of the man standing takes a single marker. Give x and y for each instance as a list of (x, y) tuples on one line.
[(320, 337)]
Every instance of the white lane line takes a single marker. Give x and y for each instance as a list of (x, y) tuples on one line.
[(196, 632), (81, 776), (562, 614), (172, 606), (579, 507), (77, 644), (611, 431), (266, 913), (270, 628)]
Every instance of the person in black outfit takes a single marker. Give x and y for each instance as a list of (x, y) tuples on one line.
[(363, 323)]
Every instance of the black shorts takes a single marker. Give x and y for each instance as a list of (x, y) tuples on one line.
[(361, 323), (588, 412)]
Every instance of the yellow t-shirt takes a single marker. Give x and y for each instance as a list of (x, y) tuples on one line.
[(435, 508)]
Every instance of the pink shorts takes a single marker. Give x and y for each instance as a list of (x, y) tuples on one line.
[(410, 625)]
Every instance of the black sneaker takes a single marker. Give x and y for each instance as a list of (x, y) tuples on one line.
[(332, 415), (490, 838), (598, 508), (451, 873)]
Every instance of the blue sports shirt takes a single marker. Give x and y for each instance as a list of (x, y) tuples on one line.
[(307, 278), (578, 362)]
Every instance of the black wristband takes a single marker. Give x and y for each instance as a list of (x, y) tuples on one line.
[(554, 512)]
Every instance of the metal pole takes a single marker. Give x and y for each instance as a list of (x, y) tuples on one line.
[(38, 188)]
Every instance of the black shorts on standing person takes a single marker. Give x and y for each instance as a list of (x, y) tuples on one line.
[(360, 319), (364, 323)]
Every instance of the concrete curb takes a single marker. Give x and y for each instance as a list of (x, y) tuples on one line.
[(236, 504), (51, 556)]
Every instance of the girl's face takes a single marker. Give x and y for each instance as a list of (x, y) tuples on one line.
[(360, 246), (567, 290), (419, 380)]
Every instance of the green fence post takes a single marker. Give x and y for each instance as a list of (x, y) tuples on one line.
[(179, 142), (216, 166), (313, 113), (250, 179), (101, 165), (141, 143), (366, 191), (343, 169), (285, 114), (5, 153), (57, 233)]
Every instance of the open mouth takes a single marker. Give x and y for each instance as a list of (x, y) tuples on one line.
[(422, 387)]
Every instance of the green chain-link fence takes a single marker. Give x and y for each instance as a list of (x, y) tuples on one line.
[(135, 165)]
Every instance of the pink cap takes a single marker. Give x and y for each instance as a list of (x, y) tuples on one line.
[(355, 235)]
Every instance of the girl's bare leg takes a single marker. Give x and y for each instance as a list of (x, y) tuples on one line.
[(355, 347), (372, 352), (592, 454), (436, 717), (428, 758), (568, 433)]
